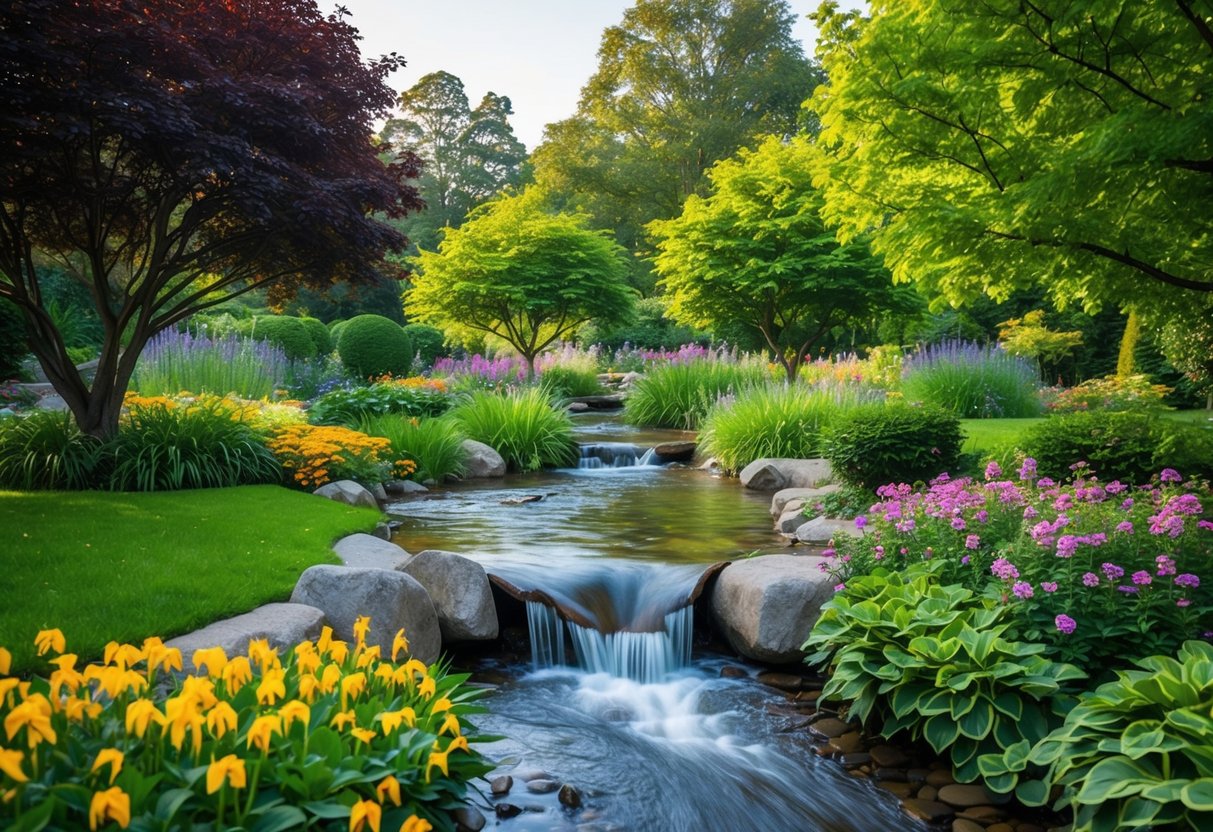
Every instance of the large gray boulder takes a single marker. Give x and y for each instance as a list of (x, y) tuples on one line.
[(778, 474), (766, 606), (825, 529), (682, 451), (282, 625), (781, 500), (460, 591), (365, 551), (348, 492), (482, 461), (393, 600)]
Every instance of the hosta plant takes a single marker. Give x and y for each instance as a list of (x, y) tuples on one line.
[(329, 736), (932, 661), (413, 396), (1135, 753)]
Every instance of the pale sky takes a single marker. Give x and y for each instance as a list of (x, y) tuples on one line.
[(538, 52)]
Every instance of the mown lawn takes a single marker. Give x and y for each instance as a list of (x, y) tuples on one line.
[(114, 566), (987, 434)]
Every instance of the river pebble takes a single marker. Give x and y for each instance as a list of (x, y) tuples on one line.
[(928, 810), (962, 796), (570, 797), (542, 786), (501, 785), (469, 819)]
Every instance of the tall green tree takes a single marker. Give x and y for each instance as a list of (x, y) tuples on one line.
[(520, 273), (173, 155), (680, 85), (991, 146), (755, 254), (468, 154)]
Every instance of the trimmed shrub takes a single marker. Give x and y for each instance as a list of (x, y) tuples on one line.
[(320, 335), (288, 333), (428, 342), (771, 420), (45, 451), (522, 426), (165, 446), (680, 395), (1131, 447), (13, 344), (974, 381), (435, 446), (415, 396), (372, 345), (896, 442)]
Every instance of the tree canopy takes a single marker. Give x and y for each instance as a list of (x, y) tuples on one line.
[(756, 254), (175, 154), (1004, 144), (468, 155), (680, 85), (522, 274)]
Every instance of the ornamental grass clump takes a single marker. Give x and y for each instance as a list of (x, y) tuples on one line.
[(314, 455), (973, 381), (1100, 571), (329, 736), (435, 446), (45, 451), (521, 425), (175, 361), (773, 420), (680, 394)]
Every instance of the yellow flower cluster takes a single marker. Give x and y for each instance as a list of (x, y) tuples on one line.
[(263, 416), (436, 385), (314, 452), (288, 699)]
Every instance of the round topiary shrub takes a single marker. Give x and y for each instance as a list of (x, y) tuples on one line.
[(289, 333), (875, 444), (428, 341), (372, 345), (319, 333)]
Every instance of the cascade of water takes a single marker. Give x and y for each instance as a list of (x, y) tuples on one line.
[(615, 455), (642, 657)]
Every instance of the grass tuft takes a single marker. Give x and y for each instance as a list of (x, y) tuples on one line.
[(435, 445), (680, 395), (522, 426)]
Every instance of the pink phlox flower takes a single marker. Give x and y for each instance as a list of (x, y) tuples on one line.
[(1188, 580), (1048, 586), (1065, 624), (1022, 590), (1166, 566), (1170, 475), (1003, 569), (1090, 579)]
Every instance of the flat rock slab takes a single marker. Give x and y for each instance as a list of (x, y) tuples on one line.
[(825, 529), (781, 498), (366, 551), (348, 492), (481, 461), (777, 474), (610, 401), (964, 796), (675, 451), (460, 591), (766, 606), (282, 625), (393, 600)]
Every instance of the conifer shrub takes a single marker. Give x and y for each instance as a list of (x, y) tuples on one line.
[(372, 345)]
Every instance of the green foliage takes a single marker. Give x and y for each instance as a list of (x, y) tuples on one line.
[(650, 328), (1127, 446), (680, 395), (521, 274), (755, 255), (282, 749), (1135, 753), (883, 443), (320, 335), (13, 344), (372, 345), (434, 445), (972, 381), (408, 397), (933, 661), (288, 333), (46, 451), (1029, 337), (1189, 347), (989, 147), (165, 447), (563, 381), (521, 425), (428, 342), (771, 420)]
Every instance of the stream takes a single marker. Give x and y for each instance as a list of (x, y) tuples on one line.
[(615, 699)]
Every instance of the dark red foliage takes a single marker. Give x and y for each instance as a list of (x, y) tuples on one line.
[(154, 143)]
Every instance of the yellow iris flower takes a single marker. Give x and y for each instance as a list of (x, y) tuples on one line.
[(111, 804), (294, 710), (229, 769), (48, 640), (362, 624), (400, 644), (34, 715), (416, 824), (365, 813), (6, 661), (221, 719), (389, 789), (140, 714), (262, 729), (210, 659), (237, 673), (437, 760), (428, 687), (272, 687), (10, 764), (111, 757)]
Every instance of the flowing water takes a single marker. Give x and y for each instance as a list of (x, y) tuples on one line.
[(609, 556)]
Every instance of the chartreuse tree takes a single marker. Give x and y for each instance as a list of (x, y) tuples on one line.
[(173, 155), (520, 273), (1004, 144), (755, 254)]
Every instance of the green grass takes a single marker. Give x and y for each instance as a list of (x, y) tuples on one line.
[(991, 434), (102, 566)]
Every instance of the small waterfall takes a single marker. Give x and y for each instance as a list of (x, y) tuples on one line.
[(644, 657), (599, 455)]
